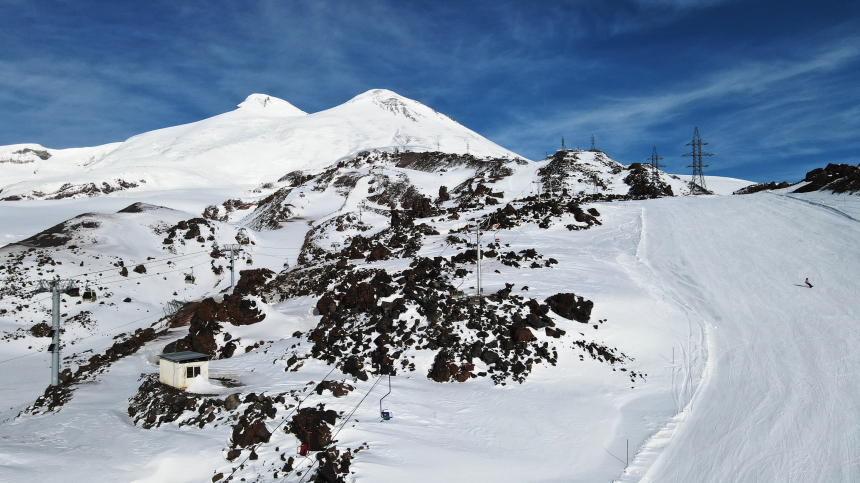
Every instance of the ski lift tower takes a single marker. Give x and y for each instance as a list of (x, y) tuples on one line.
[(56, 287), (233, 249), (480, 289), (697, 183)]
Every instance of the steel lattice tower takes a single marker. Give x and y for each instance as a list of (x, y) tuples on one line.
[(655, 171), (697, 184)]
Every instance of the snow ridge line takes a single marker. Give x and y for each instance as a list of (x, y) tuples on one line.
[(817, 203)]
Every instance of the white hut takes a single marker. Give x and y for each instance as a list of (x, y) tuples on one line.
[(179, 368)]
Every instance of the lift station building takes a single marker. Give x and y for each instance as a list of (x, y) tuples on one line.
[(177, 369)]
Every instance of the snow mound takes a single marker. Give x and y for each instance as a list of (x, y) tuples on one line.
[(201, 385)]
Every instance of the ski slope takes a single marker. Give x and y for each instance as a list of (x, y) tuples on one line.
[(778, 400)]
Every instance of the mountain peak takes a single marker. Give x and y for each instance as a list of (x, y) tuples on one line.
[(378, 95), (270, 105), (392, 102)]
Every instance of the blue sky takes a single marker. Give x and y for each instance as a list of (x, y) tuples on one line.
[(771, 85)]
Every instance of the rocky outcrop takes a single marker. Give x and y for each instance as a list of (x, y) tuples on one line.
[(570, 307)]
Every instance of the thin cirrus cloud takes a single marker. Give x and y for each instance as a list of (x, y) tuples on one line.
[(776, 108)]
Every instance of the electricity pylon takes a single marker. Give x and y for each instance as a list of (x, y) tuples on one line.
[(655, 171), (697, 184)]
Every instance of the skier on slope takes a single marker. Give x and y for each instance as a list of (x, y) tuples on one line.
[(807, 282)]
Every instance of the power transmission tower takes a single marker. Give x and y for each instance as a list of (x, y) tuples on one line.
[(233, 249), (697, 184), (655, 171), (56, 287)]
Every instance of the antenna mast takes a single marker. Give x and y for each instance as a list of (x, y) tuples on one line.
[(697, 184)]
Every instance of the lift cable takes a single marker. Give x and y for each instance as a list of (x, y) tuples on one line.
[(279, 425), (346, 420)]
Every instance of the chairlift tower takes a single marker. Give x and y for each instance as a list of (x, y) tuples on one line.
[(655, 171), (480, 290), (592, 142), (56, 287), (697, 183), (362, 207), (233, 249)]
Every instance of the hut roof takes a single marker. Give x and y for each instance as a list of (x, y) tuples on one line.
[(184, 356)]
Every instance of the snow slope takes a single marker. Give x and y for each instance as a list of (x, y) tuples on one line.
[(778, 398)]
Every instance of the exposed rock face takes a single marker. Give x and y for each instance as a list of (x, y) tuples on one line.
[(206, 317), (755, 188), (312, 426), (840, 178), (642, 184), (60, 234), (571, 307), (41, 329)]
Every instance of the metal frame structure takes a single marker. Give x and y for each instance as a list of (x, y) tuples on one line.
[(655, 171), (697, 183), (233, 249), (56, 287)]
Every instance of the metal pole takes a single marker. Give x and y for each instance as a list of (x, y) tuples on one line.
[(478, 243), (55, 329), (232, 265)]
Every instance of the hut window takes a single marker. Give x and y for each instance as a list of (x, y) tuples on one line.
[(192, 371)]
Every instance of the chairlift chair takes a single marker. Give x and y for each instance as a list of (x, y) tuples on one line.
[(89, 295), (385, 415), (249, 261), (286, 265), (189, 277)]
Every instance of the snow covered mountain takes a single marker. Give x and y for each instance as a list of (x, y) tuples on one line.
[(262, 140), (614, 314)]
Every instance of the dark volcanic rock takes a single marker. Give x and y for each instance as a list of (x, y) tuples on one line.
[(571, 307)]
